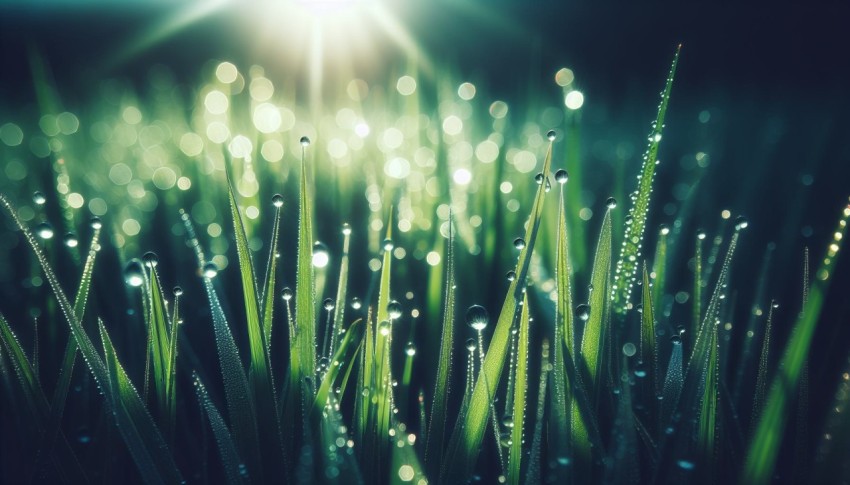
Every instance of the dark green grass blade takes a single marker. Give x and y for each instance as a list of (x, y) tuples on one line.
[(435, 443), (630, 252), (520, 388), (133, 420), (143, 439), (534, 459), (267, 299), (60, 392), (659, 267), (762, 375), (563, 273), (160, 348), (648, 356), (465, 442), (234, 471), (709, 424), (37, 401), (765, 445), (260, 373), (594, 335), (305, 298), (341, 292), (243, 422)]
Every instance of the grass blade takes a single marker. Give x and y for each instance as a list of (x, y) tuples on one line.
[(234, 471), (465, 442), (764, 447), (344, 358), (593, 338), (630, 251), (520, 386), (435, 443)]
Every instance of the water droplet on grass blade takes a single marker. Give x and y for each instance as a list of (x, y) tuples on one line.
[(277, 200), (321, 257), (477, 317), (328, 304), (538, 179), (551, 135), (151, 259), (96, 223), (177, 291), (210, 270), (561, 176), (385, 327), (410, 349), (44, 230), (519, 243), (388, 244), (346, 229), (71, 240), (356, 303), (583, 312), (470, 344), (510, 275), (39, 198), (305, 142), (394, 309), (134, 274), (741, 223), (286, 293), (611, 203)]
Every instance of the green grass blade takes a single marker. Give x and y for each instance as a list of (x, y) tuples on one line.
[(341, 290), (520, 387), (659, 267), (435, 443), (60, 392), (160, 349), (132, 418), (630, 251), (143, 439), (697, 294), (764, 448), (593, 337), (305, 298), (260, 371), (465, 442), (534, 466), (267, 298), (708, 426), (648, 356), (344, 359), (234, 471), (761, 376), (563, 273)]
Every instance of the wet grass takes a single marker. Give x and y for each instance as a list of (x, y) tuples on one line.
[(347, 384)]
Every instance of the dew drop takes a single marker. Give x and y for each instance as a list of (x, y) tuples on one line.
[(321, 257), (629, 349), (477, 317), (611, 203), (346, 229), (510, 275), (394, 309), (305, 142), (775, 304), (177, 291), (133, 273), (388, 244), (44, 230), (551, 135), (385, 327), (39, 198), (676, 340), (701, 234), (328, 304), (71, 240), (664, 229), (561, 176), (210, 270), (538, 179), (741, 223), (470, 344), (583, 312), (519, 243), (151, 259), (356, 303), (96, 223), (277, 200), (286, 293), (508, 422), (410, 349)]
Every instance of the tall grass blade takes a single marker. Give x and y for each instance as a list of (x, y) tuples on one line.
[(234, 470), (466, 439), (305, 298), (708, 426), (435, 442), (343, 360), (520, 388), (593, 345), (260, 370), (659, 267), (648, 356), (761, 376), (534, 465), (764, 447), (630, 252)]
